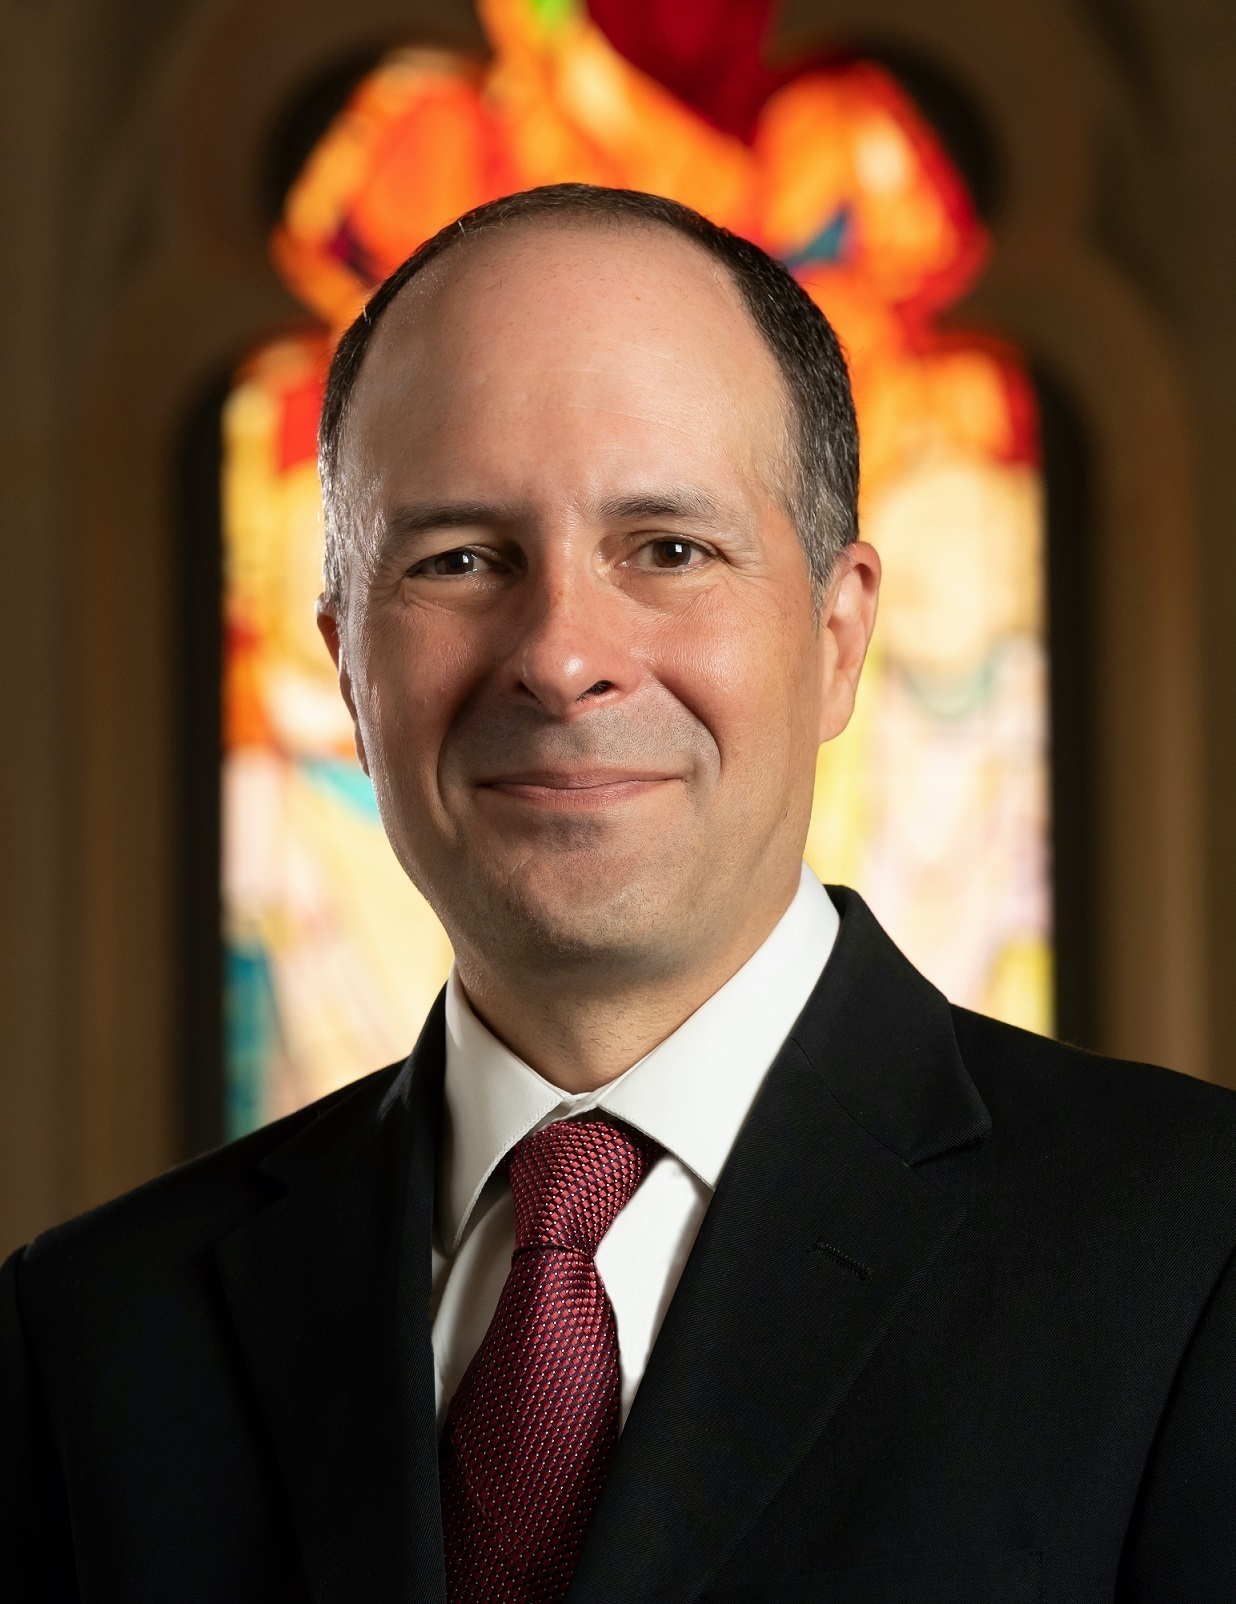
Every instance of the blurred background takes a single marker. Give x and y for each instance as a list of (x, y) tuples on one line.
[(1021, 217)]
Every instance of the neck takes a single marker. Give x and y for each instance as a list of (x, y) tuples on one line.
[(581, 1030)]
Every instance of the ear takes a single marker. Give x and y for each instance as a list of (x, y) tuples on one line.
[(847, 618), (328, 628)]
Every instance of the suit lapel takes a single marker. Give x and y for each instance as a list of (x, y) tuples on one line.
[(818, 1233), (328, 1288)]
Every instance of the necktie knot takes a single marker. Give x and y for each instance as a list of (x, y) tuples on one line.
[(570, 1180)]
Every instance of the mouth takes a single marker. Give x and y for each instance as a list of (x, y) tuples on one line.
[(574, 790)]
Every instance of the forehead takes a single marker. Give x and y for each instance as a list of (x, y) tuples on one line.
[(607, 336)]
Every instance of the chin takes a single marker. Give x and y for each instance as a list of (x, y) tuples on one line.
[(569, 912)]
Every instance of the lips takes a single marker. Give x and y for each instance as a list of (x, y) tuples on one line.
[(574, 779), (574, 789)]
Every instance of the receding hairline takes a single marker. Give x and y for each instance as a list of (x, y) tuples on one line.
[(431, 279)]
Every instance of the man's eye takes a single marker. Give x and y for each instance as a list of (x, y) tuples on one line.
[(452, 564), (671, 553)]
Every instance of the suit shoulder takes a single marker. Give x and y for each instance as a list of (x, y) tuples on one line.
[(192, 1206), (992, 1048), (1171, 1132)]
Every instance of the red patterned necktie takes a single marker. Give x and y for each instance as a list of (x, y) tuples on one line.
[(533, 1427)]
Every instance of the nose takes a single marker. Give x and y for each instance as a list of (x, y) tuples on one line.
[(572, 650)]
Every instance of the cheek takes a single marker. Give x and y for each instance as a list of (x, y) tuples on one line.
[(417, 675), (749, 677)]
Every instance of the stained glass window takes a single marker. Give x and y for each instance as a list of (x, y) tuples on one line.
[(934, 802)]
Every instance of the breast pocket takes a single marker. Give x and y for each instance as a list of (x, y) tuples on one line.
[(970, 1577)]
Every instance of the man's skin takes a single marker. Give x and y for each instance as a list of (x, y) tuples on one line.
[(587, 666)]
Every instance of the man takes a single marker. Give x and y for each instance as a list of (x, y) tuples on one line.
[(700, 1250)]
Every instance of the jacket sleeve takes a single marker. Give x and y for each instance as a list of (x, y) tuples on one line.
[(1182, 1543), (36, 1550)]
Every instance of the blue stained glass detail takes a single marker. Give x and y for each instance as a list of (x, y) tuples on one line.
[(829, 245), (345, 782), (251, 1027)]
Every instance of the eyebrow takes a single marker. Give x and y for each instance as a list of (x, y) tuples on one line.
[(415, 517), (682, 502)]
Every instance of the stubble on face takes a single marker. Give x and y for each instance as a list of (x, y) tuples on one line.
[(584, 763)]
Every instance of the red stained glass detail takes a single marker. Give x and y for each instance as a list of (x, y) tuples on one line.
[(710, 53), (298, 424)]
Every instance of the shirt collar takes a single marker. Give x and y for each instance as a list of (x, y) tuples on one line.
[(691, 1094)]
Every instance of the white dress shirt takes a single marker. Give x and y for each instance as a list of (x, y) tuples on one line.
[(691, 1095)]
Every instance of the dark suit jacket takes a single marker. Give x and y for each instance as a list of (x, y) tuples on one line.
[(959, 1328)]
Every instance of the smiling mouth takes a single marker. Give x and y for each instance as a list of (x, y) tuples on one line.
[(576, 790)]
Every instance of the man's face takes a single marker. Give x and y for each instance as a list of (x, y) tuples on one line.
[(580, 640)]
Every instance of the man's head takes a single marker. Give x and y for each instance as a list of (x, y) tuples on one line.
[(590, 469)]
